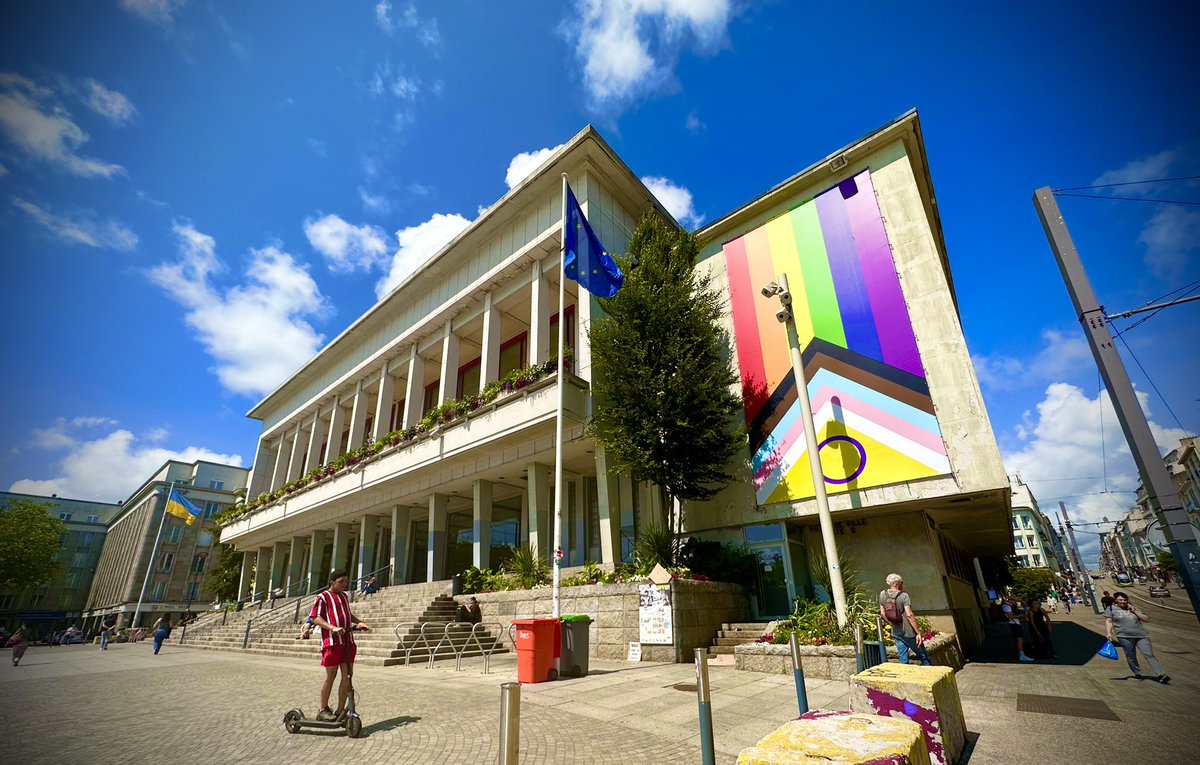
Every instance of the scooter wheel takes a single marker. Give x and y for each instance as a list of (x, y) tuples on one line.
[(354, 727), (292, 719)]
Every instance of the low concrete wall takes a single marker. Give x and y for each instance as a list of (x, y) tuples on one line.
[(833, 662), (700, 609)]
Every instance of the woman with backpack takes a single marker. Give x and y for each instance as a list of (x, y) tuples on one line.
[(895, 606)]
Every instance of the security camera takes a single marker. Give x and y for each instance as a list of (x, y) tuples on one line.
[(783, 315), (771, 290), (785, 298)]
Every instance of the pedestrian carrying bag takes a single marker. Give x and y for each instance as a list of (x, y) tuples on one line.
[(891, 609), (1108, 651)]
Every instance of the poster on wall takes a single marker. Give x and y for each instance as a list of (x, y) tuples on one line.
[(874, 416), (655, 626)]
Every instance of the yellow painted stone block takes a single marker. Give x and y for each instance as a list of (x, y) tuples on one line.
[(840, 738), (926, 695)]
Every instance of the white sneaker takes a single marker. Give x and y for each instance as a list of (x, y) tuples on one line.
[(1023, 657)]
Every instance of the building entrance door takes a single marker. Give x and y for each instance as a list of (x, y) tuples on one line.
[(418, 565), (775, 591)]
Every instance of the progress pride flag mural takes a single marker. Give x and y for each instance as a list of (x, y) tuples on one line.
[(874, 417)]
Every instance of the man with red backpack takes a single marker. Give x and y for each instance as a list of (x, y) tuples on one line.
[(896, 609)]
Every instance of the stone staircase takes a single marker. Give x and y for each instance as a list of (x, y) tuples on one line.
[(396, 614), (735, 634)]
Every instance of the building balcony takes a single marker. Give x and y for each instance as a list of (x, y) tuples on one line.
[(408, 471)]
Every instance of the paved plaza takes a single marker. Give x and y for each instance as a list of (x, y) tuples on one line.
[(125, 705)]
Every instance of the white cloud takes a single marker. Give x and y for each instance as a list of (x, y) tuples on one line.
[(38, 125), (382, 17), (1171, 235), (417, 244), (61, 434), (110, 467), (426, 29), (258, 333), (160, 12), (676, 199), (385, 81), (629, 48), (1145, 169), (83, 228), (373, 203), (525, 163), (693, 123), (108, 103), (1061, 353), (316, 147), (347, 247), (1069, 447)]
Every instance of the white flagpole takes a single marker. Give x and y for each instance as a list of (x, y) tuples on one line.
[(153, 555), (556, 610)]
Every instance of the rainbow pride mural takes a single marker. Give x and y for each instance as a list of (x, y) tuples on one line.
[(874, 417)]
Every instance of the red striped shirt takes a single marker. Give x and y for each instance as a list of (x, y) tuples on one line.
[(333, 607)]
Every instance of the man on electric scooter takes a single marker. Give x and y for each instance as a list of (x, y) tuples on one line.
[(331, 612)]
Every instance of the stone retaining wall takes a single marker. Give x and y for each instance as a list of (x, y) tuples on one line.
[(829, 662), (700, 609)]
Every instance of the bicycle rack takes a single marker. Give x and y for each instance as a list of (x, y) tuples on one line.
[(421, 639), (486, 653), (445, 639)]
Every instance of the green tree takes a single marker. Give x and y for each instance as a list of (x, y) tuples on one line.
[(1165, 561), (1032, 583), (226, 575), (28, 540), (665, 408)]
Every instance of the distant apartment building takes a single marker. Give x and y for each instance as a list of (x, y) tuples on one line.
[(421, 439), (1036, 543), (62, 600), (170, 576)]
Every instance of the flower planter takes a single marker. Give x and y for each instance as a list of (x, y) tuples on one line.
[(833, 662)]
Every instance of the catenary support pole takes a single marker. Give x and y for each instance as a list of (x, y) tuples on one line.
[(556, 583), (1083, 572), (1161, 495), (708, 753), (814, 463)]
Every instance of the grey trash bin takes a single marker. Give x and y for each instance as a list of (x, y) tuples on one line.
[(574, 661)]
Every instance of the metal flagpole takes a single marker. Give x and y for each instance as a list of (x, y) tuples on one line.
[(556, 609), (153, 556)]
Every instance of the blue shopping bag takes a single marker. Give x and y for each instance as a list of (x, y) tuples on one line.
[(1108, 651)]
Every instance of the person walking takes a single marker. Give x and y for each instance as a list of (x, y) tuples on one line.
[(18, 644), (1106, 601), (895, 607), (105, 633), (162, 631), (1012, 612), (1126, 625)]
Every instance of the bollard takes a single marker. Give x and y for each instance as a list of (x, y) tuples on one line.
[(882, 645), (183, 637), (798, 673), (246, 637), (858, 649), (510, 723), (709, 755)]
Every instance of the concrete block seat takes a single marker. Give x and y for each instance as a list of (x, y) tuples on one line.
[(926, 695), (840, 738)]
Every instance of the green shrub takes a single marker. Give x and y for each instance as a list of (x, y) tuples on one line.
[(735, 563), (527, 568), (655, 545)]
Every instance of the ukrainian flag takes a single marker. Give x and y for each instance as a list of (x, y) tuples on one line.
[(180, 507)]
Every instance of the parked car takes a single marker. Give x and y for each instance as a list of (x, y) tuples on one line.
[(1159, 592)]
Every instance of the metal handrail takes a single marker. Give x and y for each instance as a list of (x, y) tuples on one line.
[(275, 615)]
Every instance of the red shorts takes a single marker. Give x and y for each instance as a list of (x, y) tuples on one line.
[(337, 654)]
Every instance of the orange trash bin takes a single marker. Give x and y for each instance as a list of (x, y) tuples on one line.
[(538, 645)]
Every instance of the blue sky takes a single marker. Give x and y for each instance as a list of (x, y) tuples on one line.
[(194, 196)]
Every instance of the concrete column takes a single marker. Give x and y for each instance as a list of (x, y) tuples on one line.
[(337, 423), (414, 388), (279, 478), (341, 537), (608, 494), (383, 403), (278, 572), (262, 470), (296, 567), (366, 545), (435, 564), (540, 507), (358, 417), (579, 550), (246, 585), (399, 551), (629, 512), (316, 551), (540, 308), (316, 434), (262, 573), (523, 535), (446, 388), (296, 456), (482, 514), (489, 362)]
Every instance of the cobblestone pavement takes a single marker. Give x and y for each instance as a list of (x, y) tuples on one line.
[(125, 705)]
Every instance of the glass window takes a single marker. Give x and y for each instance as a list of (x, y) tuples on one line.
[(513, 354), (71, 582), (216, 484), (1037, 560), (93, 519), (593, 519), (86, 539), (160, 589), (193, 591), (6, 602), (460, 533), (37, 600), (211, 509), (79, 560), (431, 397), (570, 330), (1019, 543), (173, 533), (1025, 522), (62, 538), (468, 379), (771, 532), (58, 554), (629, 523), (1016, 525), (165, 561), (198, 563), (205, 539), (1031, 540), (64, 516)]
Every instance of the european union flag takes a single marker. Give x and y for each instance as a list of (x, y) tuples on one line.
[(181, 507), (586, 261)]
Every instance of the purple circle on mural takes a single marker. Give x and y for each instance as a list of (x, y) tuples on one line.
[(862, 458)]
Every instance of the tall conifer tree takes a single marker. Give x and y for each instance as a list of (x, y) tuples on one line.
[(665, 407)]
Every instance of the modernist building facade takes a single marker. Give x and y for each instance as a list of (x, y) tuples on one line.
[(168, 577), (61, 601), (1036, 544), (346, 474)]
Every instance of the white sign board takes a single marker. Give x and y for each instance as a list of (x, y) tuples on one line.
[(635, 652), (655, 626)]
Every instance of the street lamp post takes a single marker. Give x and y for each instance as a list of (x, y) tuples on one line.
[(784, 315)]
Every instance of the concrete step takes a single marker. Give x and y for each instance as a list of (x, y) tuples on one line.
[(731, 641), (760, 626), (715, 650)]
